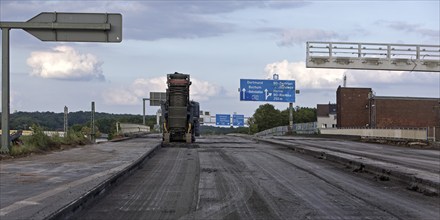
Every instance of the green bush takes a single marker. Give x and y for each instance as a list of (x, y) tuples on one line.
[(21, 150), (38, 141), (75, 138)]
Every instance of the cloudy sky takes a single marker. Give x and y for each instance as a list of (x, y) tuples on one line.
[(218, 43)]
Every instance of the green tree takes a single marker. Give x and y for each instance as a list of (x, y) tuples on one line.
[(284, 115), (266, 116), (300, 115), (253, 127), (304, 114)]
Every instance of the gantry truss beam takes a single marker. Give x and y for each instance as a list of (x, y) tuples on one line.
[(373, 56)]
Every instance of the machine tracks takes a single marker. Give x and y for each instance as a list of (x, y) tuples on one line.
[(251, 180)]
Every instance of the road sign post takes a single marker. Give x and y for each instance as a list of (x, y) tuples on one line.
[(5, 91), (290, 128), (53, 26)]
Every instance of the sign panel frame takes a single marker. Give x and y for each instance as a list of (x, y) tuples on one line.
[(77, 27), (238, 120), (223, 119), (157, 97), (267, 90)]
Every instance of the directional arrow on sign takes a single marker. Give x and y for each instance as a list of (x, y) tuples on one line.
[(244, 93), (267, 94)]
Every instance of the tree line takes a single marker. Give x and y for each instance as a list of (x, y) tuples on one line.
[(265, 117), (105, 122)]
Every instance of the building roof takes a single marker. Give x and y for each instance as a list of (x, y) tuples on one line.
[(350, 88), (406, 98), (323, 110)]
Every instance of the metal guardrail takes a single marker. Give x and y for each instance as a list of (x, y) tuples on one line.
[(299, 128), (375, 56)]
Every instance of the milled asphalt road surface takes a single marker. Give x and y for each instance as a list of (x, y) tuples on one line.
[(417, 158), (419, 168), (228, 177), (34, 187)]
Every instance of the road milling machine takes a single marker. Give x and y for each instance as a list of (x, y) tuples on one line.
[(180, 116)]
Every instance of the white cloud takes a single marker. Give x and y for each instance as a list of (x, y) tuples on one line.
[(299, 36), (120, 97), (140, 88), (203, 90), (64, 62), (305, 77), (315, 78)]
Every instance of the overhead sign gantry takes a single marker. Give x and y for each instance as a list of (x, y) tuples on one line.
[(373, 56), (54, 26)]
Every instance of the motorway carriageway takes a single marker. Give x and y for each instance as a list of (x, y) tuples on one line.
[(232, 177), (224, 177)]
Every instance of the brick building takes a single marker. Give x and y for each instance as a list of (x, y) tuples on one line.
[(352, 107), (404, 112), (358, 107)]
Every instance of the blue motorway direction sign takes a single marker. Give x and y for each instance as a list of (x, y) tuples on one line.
[(238, 120), (267, 90), (223, 119)]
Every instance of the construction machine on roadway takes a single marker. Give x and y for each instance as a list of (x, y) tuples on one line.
[(180, 116)]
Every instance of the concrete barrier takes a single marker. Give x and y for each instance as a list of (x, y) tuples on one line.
[(411, 134), (125, 128)]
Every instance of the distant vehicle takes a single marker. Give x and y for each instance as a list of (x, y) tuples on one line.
[(180, 116)]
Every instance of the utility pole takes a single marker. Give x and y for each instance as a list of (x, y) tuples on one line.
[(345, 81), (92, 130), (143, 105), (66, 124)]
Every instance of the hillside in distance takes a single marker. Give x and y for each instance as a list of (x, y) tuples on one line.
[(55, 121)]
